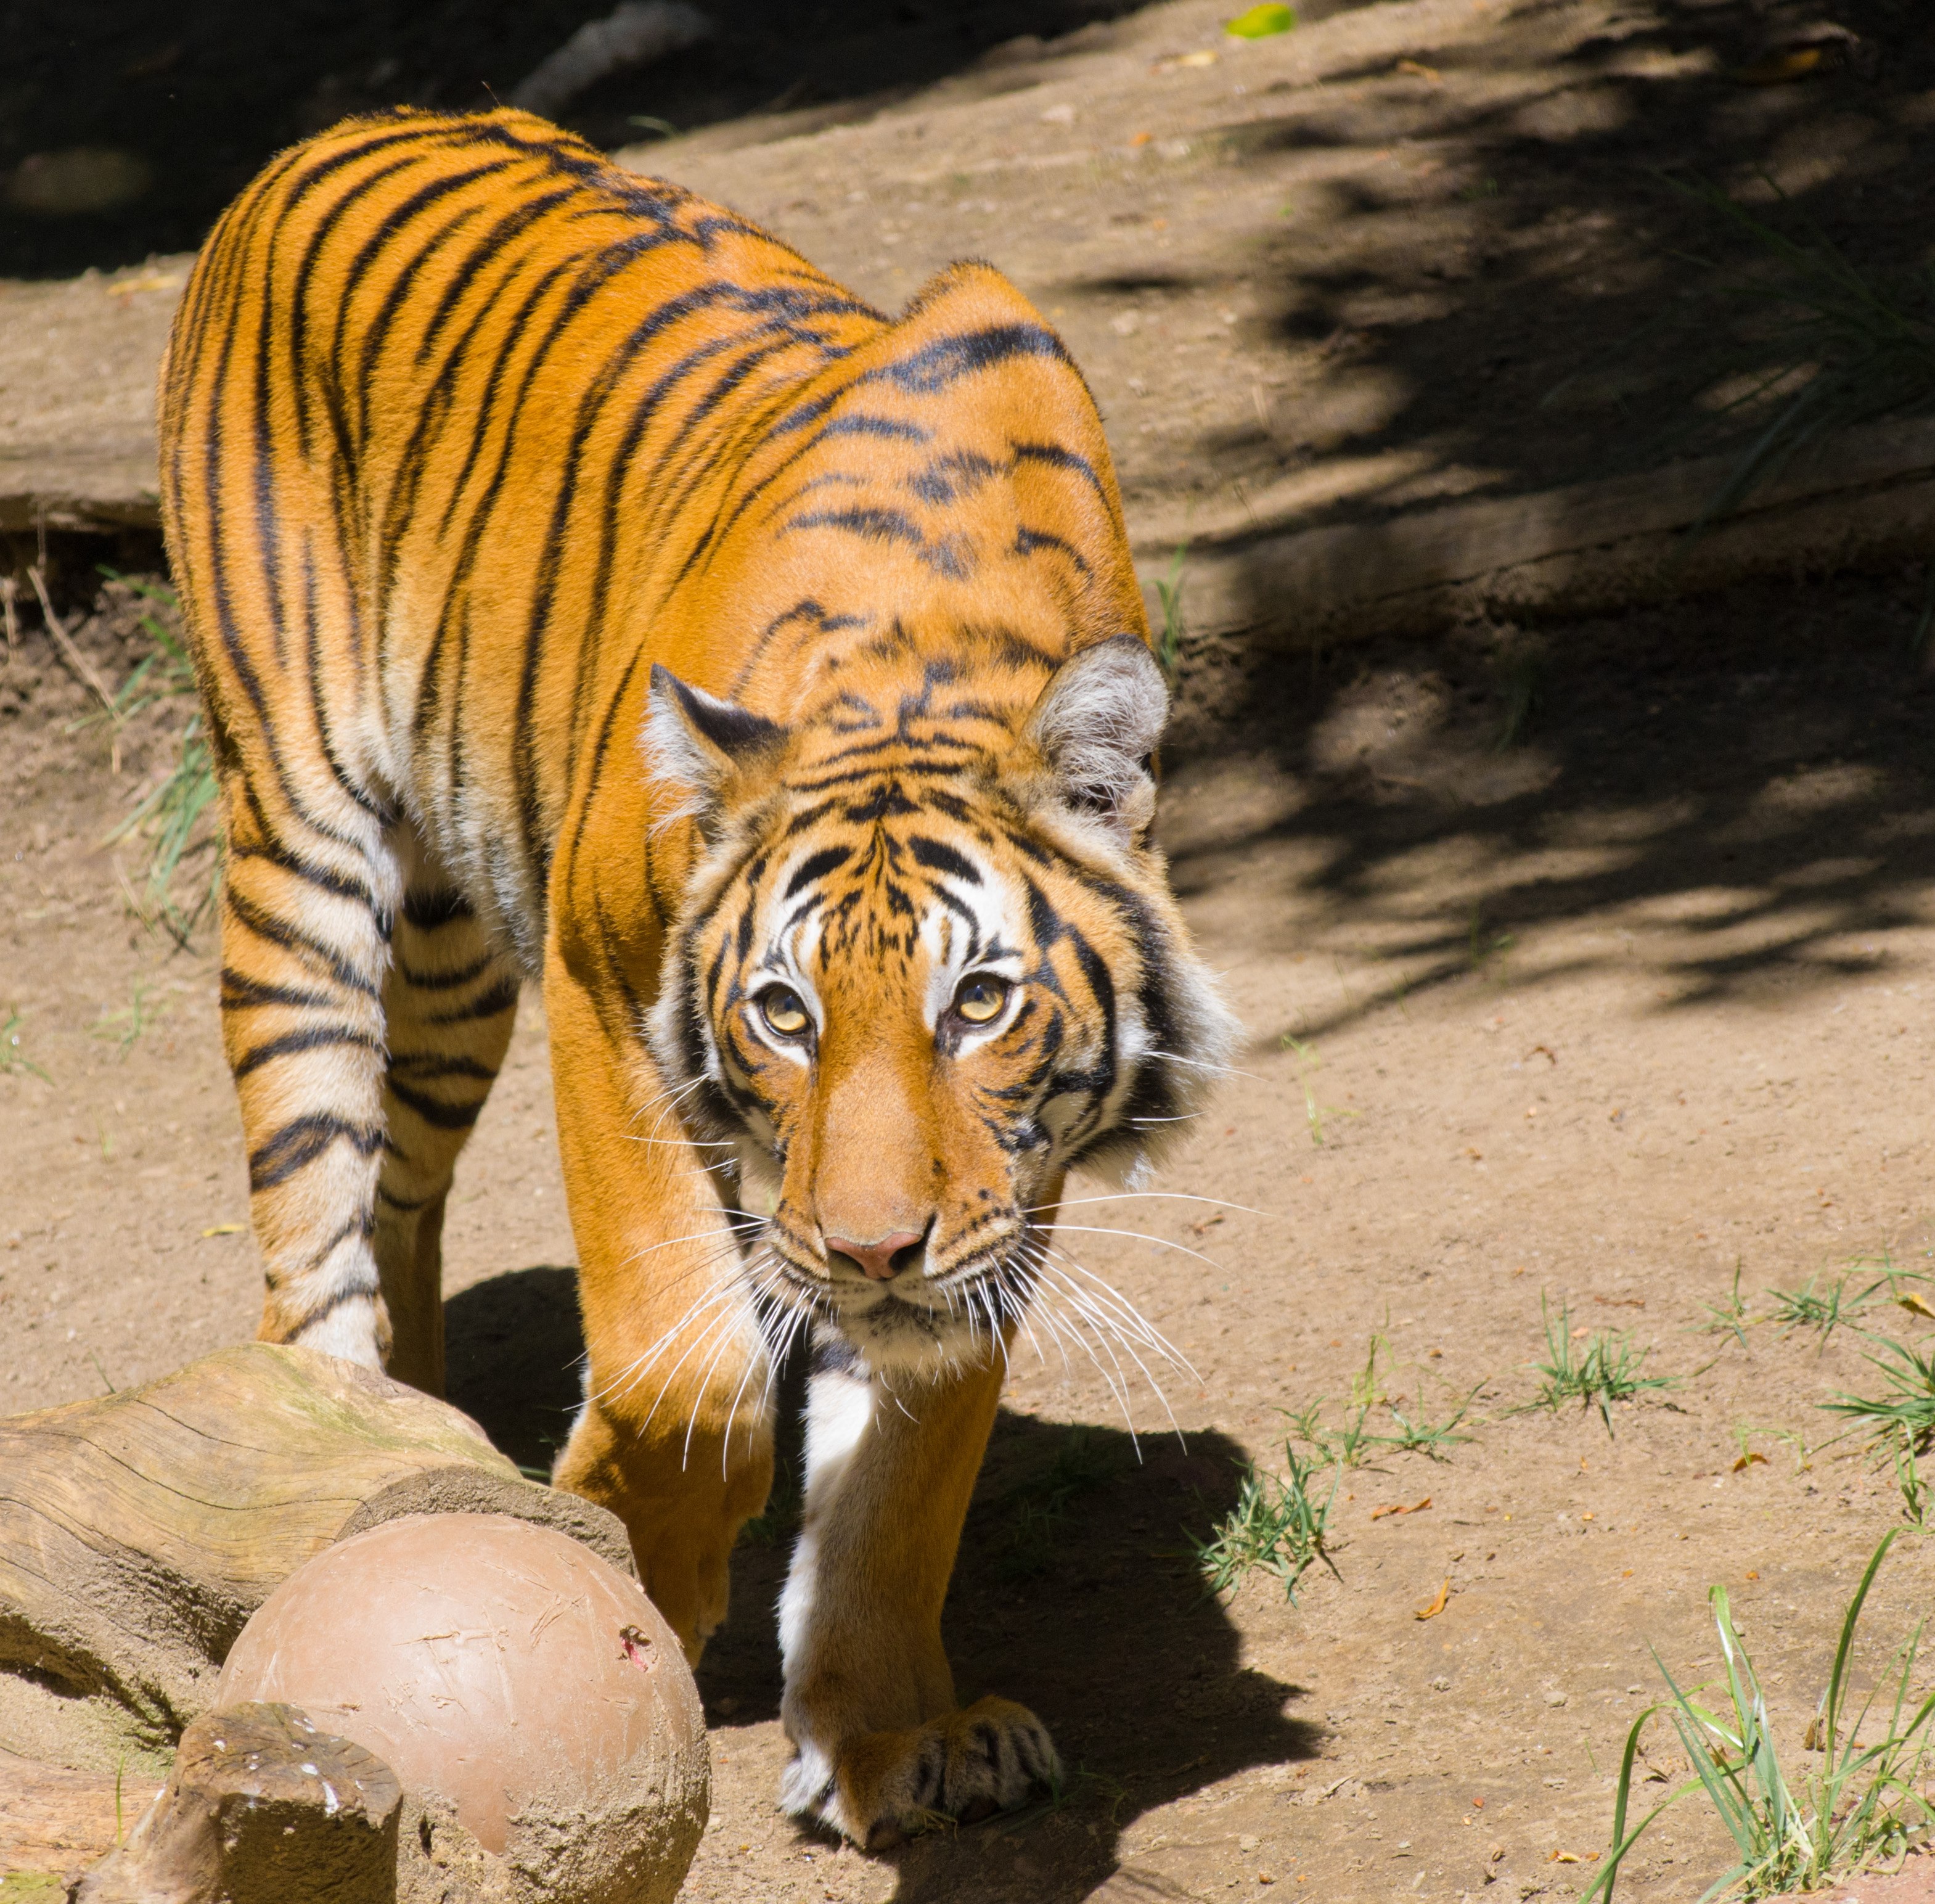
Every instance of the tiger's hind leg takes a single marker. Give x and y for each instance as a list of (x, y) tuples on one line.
[(450, 1000), (306, 907)]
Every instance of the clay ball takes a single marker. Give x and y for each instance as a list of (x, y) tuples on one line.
[(510, 1671)]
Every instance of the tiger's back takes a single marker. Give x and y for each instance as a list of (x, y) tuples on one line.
[(455, 407), (582, 587)]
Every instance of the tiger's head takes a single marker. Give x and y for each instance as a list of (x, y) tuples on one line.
[(929, 962)]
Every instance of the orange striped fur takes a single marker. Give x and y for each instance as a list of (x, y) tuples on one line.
[(586, 590)]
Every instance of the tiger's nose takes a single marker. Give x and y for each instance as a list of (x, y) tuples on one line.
[(876, 1259)]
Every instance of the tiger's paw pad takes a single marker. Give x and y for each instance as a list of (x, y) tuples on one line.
[(887, 1786)]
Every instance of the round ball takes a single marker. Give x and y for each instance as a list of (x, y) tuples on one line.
[(510, 1670)]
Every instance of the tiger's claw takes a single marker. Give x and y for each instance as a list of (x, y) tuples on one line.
[(881, 1788)]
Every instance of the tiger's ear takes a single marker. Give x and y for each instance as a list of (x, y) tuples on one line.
[(695, 744), (1097, 722)]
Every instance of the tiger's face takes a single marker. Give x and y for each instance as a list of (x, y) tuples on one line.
[(916, 983)]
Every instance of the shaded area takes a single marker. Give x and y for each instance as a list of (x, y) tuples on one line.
[(513, 1354), (1477, 275), (1750, 774), (1076, 1593), (1073, 1593), (1074, 1529), (202, 95)]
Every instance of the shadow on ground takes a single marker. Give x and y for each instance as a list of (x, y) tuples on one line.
[(1749, 773), (1075, 1530), (1494, 273), (514, 1357), (1076, 1592), (204, 96)]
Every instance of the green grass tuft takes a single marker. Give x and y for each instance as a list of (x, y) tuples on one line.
[(14, 1063), (1277, 1525), (1308, 1065), (1730, 1317), (176, 814), (1791, 1830), (1169, 592), (1603, 1369), (1418, 1434), (1827, 346), (1900, 1422)]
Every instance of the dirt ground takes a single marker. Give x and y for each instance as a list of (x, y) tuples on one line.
[(1582, 965), (1598, 1019)]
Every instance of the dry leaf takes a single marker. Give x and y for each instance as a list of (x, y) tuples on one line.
[(1418, 71), (1747, 1461), (223, 1229), (1562, 1857), (1437, 1606), (1914, 1304), (1416, 1507), (1789, 63)]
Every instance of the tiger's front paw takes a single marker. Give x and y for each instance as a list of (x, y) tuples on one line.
[(880, 1787)]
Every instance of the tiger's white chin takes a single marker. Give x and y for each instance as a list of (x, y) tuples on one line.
[(894, 1335)]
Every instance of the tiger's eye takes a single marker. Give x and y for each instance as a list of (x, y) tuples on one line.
[(980, 999), (782, 1009)]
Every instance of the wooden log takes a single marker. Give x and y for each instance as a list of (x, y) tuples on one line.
[(138, 1532), (262, 1807), (1258, 578), (58, 1821)]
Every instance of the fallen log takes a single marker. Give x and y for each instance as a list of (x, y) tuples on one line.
[(55, 1821), (138, 1532)]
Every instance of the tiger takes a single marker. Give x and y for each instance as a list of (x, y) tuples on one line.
[(586, 591)]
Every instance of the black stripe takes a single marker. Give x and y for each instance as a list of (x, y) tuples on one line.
[(500, 999), (444, 982), (939, 857), (389, 227), (427, 910), (312, 1037), (1056, 458), (274, 854), (434, 1111), (264, 924), (1027, 540), (350, 1292), (299, 1142), (430, 1065), (408, 1205), (815, 865), (947, 361), (240, 993)]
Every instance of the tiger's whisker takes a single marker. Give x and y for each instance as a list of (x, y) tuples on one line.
[(1167, 1196), (1139, 1236)]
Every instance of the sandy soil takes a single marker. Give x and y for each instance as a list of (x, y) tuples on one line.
[(1598, 1019)]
